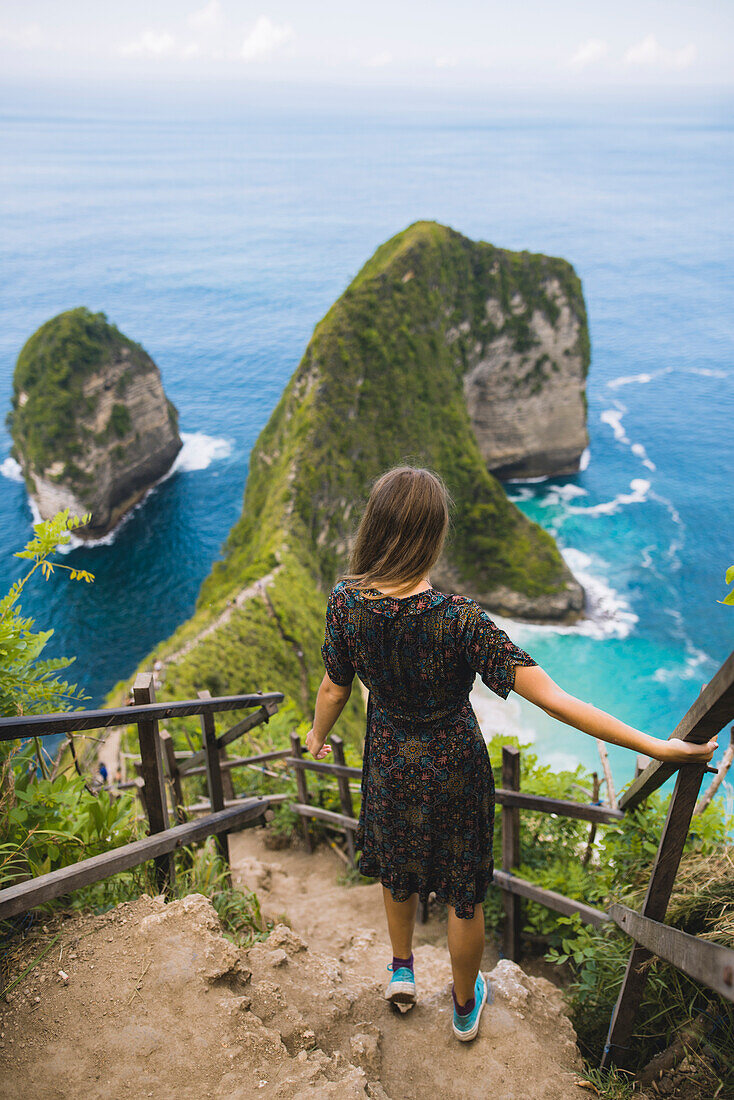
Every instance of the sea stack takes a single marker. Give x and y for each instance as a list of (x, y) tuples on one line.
[(92, 428)]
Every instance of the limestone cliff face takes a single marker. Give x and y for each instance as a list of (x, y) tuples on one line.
[(92, 428), (527, 404)]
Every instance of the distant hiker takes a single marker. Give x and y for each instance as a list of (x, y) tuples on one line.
[(118, 776), (103, 773), (427, 814)]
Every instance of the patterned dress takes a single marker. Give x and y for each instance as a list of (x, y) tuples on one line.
[(427, 814)]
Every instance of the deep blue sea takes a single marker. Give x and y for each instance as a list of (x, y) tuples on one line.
[(218, 237)]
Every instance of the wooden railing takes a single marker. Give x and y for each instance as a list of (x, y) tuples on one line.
[(705, 962), (708, 963), (154, 783)]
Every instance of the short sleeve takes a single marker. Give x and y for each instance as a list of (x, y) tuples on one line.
[(334, 651), (490, 652)]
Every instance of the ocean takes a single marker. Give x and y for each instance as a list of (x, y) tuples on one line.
[(218, 236)]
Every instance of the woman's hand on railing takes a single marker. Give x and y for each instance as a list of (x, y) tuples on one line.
[(317, 748), (687, 752)]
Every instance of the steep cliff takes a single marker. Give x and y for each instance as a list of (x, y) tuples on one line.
[(92, 428), (381, 382)]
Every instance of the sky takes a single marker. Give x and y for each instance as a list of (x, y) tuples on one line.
[(574, 45)]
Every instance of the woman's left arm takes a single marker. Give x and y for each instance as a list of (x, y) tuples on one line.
[(330, 702), (536, 686)]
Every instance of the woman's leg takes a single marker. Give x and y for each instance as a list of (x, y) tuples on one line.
[(466, 947), (400, 922)]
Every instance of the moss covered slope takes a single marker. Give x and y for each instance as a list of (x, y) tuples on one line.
[(380, 383)]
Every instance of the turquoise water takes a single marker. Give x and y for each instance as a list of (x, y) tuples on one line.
[(218, 239)]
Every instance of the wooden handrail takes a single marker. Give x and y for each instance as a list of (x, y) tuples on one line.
[(705, 962), (520, 799), (74, 721), (26, 895)]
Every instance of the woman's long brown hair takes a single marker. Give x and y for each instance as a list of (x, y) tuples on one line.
[(402, 531)]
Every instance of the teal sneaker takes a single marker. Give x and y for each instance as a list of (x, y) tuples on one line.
[(466, 1027), (401, 988)]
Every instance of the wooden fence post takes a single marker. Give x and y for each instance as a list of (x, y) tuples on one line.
[(511, 903), (301, 787), (174, 777), (660, 886), (151, 770), (214, 775), (345, 795)]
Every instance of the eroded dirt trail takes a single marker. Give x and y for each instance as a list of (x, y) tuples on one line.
[(154, 1001)]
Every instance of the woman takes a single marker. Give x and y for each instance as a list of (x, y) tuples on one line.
[(427, 811)]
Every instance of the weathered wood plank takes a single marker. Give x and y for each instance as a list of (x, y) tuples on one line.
[(205, 807), (713, 708), (711, 964), (340, 821), (301, 786), (214, 774), (511, 903), (662, 878), (44, 725), (558, 902), (174, 777), (56, 884), (299, 764), (561, 806), (345, 795), (151, 770), (263, 714)]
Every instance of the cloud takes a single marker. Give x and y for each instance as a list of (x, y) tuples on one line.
[(380, 60), (446, 62), (264, 39), (206, 19), (151, 43), (649, 52), (28, 37), (589, 52)]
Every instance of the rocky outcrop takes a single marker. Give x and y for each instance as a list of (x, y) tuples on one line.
[(527, 405), (383, 381), (92, 428), (154, 1001)]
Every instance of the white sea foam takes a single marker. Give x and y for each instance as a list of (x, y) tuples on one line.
[(198, 452), (695, 661), (640, 489), (520, 495), (639, 451), (527, 480), (613, 417), (607, 613), (640, 379), (708, 372), (10, 469), (559, 494), (585, 459)]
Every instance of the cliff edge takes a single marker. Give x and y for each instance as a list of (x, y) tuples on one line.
[(92, 428)]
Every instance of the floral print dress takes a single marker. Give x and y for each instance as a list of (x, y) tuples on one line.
[(427, 814)]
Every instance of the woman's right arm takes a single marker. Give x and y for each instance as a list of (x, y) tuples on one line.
[(536, 686)]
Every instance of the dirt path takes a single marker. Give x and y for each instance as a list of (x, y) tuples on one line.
[(151, 1000)]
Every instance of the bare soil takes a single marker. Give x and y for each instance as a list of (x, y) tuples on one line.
[(151, 1000)]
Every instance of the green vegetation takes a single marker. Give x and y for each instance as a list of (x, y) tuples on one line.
[(555, 853), (49, 404), (729, 597), (381, 382)]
